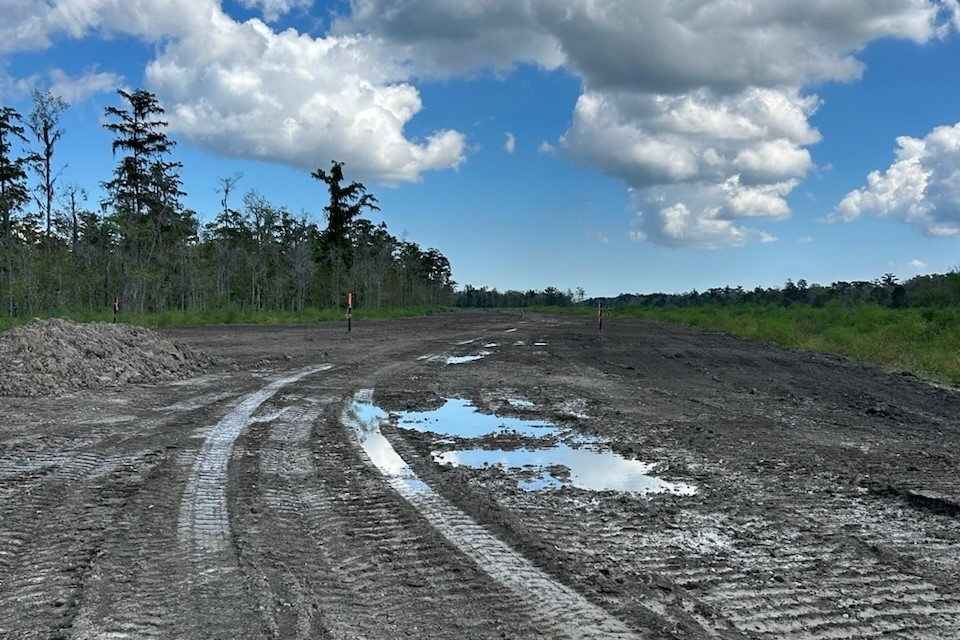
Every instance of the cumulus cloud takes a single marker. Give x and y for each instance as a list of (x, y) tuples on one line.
[(300, 100), (243, 89), (700, 165), (77, 88), (273, 10), (698, 107), (920, 188), (665, 47), (510, 144), (917, 264)]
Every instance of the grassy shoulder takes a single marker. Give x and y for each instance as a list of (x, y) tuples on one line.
[(227, 316), (924, 341)]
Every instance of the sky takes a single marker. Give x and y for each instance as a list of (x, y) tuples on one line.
[(614, 145)]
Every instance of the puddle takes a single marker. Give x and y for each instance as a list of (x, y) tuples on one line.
[(463, 359), (465, 342), (540, 344), (377, 447), (490, 345), (458, 417), (555, 607), (519, 343), (509, 330), (589, 469)]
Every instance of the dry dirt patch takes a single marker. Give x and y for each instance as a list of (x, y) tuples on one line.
[(46, 357)]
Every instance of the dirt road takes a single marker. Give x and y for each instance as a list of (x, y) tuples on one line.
[(325, 485)]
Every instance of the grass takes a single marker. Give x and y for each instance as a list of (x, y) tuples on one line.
[(924, 341), (225, 316)]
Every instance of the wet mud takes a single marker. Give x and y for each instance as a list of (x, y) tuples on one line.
[(388, 483)]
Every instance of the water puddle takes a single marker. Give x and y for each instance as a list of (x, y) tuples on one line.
[(587, 465), (463, 359), (509, 330), (588, 469), (540, 344), (377, 447), (490, 345), (458, 417), (555, 607)]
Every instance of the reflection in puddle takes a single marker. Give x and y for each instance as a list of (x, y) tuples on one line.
[(589, 467), (462, 359), (376, 446), (591, 470), (458, 417)]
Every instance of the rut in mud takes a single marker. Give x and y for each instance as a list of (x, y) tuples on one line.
[(823, 499)]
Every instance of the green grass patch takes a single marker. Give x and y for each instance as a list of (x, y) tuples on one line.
[(226, 316), (924, 341)]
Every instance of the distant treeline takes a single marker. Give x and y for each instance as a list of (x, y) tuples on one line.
[(938, 290), (142, 246), (490, 298)]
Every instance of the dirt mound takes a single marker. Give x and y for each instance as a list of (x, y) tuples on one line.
[(46, 357)]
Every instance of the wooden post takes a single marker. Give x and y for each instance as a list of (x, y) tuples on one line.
[(349, 311), (600, 316), (116, 308)]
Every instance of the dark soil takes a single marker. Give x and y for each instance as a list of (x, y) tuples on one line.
[(238, 504)]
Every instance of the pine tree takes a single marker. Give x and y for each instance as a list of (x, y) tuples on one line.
[(14, 192)]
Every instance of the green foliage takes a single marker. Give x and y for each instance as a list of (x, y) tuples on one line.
[(346, 202), (487, 298), (228, 316), (925, 341)]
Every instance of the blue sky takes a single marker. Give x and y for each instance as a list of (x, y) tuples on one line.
[(659, 146)]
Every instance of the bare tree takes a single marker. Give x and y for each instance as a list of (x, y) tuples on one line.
[(44, 122)]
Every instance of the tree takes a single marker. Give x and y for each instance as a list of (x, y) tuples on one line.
[(145, 194), (346, 203), (14, 192), (44, 122)]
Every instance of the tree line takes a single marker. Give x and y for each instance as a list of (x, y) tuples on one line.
[(936, 290), (145, 247)]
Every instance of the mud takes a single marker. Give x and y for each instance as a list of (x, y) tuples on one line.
[(241, 502), (44, 357)]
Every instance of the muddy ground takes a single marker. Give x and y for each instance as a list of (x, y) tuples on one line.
[(245, 503)]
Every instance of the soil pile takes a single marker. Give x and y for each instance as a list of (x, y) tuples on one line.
[(46, 357)]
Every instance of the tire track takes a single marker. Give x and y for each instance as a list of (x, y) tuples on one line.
[(555, 607), (41, 583), (204, 525), (348, 558)]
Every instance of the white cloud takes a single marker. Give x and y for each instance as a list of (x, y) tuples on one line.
[(244, 89), (510, 145), (273, 10), (78, 88), (705, 216), (299, 100), (707, 95), (920, 188), (917, 264), (805, 239), (546, 148), (664, 47), (698, 106)]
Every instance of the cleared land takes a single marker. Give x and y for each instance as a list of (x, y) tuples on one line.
[(252, 502)]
